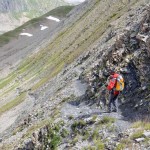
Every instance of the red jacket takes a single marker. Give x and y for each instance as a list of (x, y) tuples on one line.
[(112, 83)]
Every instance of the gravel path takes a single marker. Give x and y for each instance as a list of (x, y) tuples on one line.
[(81, 110)]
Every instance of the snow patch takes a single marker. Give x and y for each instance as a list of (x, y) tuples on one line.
[(53, 18), (26, 34), (75, 1), (43, 27)]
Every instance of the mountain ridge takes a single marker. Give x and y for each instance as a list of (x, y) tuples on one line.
[(15, 13)]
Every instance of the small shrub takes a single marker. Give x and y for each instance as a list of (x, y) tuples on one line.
[(85, 135), (61, 123), (126, 141), (54, 142), (95, 135), (70, 117), (107, 120), (56, 128), (137, 135), (100, 145), (64, 133), (147, 126), (94, 117), (78, 125), (74, 141), (112, 128), (141, 124), (120, 146), (90, 148)]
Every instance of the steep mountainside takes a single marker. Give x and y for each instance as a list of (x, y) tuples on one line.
[(14, 13), (49, 98)]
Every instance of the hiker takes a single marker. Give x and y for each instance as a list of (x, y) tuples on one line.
[(115, 86)]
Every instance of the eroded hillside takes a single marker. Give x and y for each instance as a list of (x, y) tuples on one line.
[(52, 89)]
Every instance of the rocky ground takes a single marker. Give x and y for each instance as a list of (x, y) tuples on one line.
[(70, 110)]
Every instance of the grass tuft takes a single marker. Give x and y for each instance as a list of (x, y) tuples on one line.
[(107, 120), (136, 135)]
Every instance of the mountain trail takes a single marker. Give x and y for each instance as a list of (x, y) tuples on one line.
[(79, 109), (86, 112)]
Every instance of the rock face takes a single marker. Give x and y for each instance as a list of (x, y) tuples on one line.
[(64, 82)]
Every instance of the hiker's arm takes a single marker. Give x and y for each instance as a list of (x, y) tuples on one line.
[(111, 84)]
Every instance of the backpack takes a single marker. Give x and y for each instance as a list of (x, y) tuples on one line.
[(119, 83)]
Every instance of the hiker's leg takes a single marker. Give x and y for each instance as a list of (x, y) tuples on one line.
[(110, 100), (114, 102)]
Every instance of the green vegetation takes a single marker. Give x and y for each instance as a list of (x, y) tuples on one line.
[(95, 134), (67, 99), (137, 134), (5, 82), (35, 127), (11, 88), (74, 141), (64, 133), (13, 103), (106, 120), (70, 117), (85, 134), (52, 138), (18, 129), (145, 125), (90, 148), (55, 133), (94, 118), (56, 139), (120, 146), (99, 144), (124, 143), (59, 11), (77, 125)]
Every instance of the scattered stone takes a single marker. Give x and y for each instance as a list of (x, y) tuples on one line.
[(29, 144), (146, 133), (140, 139), (142, 37), (144, 88)]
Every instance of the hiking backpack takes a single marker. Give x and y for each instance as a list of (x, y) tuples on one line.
[(119, 83)]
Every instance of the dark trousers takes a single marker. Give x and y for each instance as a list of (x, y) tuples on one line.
[(112, 100)]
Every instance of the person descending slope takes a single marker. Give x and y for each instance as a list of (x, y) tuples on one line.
[(115, 86)]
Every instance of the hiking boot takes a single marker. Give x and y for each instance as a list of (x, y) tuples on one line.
[(115, 110), (109, 110)]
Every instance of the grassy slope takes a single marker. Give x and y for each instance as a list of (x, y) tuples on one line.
[(8, 85), (65, 48)]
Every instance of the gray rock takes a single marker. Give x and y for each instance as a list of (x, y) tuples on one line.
[(144, 88), (146, 133), (139, 139)]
